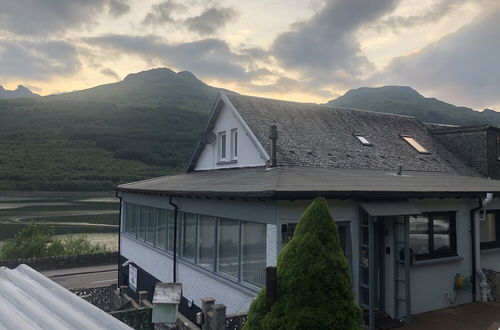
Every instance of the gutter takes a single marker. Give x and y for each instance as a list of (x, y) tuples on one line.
[(477, 271), (176, 209), (119, 238)]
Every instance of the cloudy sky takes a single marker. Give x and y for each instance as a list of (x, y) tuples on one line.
[(303, 50)]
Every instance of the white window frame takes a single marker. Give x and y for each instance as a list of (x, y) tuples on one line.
[(222, 156), (234, 144)]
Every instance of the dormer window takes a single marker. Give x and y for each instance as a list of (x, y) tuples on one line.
[(364, 141), (234, 143), (222, 145), (417, 146)]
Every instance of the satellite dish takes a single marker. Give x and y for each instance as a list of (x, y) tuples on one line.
[(208, 137)]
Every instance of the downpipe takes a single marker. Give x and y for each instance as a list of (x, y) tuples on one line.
[(176, 209), (483, 282)]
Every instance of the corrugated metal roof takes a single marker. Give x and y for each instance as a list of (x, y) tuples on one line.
[(29, 300), (297, 182)]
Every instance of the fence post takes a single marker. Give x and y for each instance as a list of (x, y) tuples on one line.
[(219, 317), (206, 307), (271, 287)]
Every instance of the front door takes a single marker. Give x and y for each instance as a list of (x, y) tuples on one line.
[(372, 266)]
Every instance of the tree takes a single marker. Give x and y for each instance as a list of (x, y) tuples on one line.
[(314, 284)]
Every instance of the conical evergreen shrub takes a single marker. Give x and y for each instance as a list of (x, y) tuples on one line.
[(314, 285)]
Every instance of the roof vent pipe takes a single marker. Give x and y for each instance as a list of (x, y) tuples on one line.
[(273, 135), (400, 169)]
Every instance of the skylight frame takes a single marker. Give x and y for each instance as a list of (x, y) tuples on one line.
[(415, 144), (363, 140)]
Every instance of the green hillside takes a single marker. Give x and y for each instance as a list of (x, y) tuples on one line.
[(141, 127), (407, 101)]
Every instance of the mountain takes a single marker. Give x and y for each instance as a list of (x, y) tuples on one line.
[(19, 92), (407, 101), (144, 126)]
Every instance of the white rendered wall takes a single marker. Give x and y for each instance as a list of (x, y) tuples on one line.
[(248, 153), (197, 283)]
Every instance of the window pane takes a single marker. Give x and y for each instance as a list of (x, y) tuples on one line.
[(441, 228), (415, 144), (488, 228), (151, 225), (189, 236), (170, 231), (135, 220), (419, 234), (206, 240), (128, 218), (253, 253), (143, 221), (161, 232), (228, 250)]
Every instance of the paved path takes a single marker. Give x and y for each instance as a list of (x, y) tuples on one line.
[(470, 316), (84, 277)]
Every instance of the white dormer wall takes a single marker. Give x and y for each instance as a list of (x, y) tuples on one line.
[(249, 154)]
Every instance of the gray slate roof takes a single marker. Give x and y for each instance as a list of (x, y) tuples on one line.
[(320, 136), (306, 182)]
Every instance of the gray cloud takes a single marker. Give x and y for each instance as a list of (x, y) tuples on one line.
[(110, 73), (437, 10), (462, 67), (37, 60), (162, 13), (211, 20), (41, 17), (325, 48), (208, 58), (118, 7)]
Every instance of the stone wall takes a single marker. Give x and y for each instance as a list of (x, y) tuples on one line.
[(59, 262)]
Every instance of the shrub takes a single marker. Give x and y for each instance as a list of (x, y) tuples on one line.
[(314, 285), (37, 240)]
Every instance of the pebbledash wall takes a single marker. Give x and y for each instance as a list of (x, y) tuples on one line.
[(431, 279)]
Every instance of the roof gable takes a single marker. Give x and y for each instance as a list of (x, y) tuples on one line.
[(224, 118)]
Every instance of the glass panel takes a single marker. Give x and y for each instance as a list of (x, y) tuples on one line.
[(170, 230), (206, 240), (488, 228), (228, 249), (151, 225), (441, 228), (253, 253), (128, 218), (143, 221), (343, 237), (417, 146), (365, 295), (419, 234), (161, 232), (364, 257), (135, 217), (189, 236), (365, 238)]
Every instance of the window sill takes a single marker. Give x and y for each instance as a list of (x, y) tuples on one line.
[(437, 261), (491, 250), (224, 162)]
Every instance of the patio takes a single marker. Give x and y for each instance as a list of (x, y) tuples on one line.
[(471, 316)]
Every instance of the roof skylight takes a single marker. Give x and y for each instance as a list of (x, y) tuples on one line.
[(364, 141), (417, 146)]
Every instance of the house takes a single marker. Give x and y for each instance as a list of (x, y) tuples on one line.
[(414, 207)]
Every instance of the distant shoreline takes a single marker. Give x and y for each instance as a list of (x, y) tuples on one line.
[(57, 193)]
